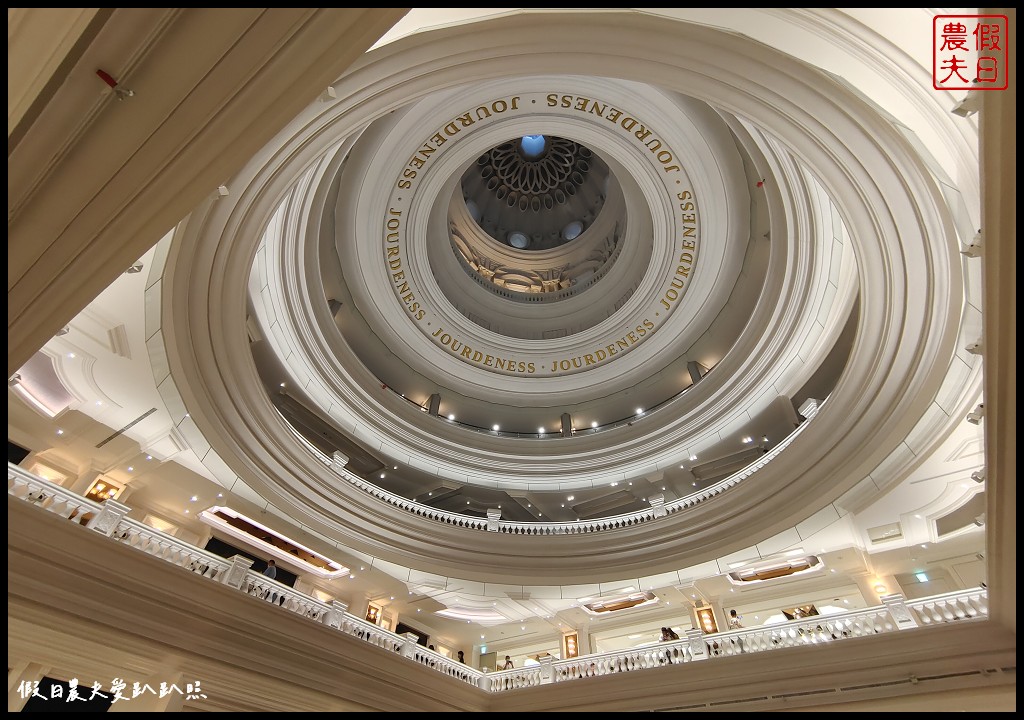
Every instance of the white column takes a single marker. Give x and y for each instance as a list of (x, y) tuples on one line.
[(658, 505), (547, 674), (235, 575), (897, 607), (336, 615), (698, 650), (106, 520), (411, 641), (493, 518)]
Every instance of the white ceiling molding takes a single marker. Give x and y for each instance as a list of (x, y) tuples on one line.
[(896, 220)]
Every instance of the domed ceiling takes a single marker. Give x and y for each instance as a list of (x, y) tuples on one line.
[(565, 296)]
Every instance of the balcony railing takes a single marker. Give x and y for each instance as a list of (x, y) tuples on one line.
[(108, 518), (573, 527)]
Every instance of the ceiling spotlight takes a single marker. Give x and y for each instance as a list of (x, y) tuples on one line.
[(693, 457), (220, 495), (496, 428), (282, 384), (639, 411), (186, 512), (450, 416), (529, 505), (71, 355), (60, 432), (540, 430), (351, 577), (194, 498), (571, 498), (394, 467), (593, 424), (382, 476), (131, 469), (149, 457)]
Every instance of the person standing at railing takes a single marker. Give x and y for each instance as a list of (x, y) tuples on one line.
[(508, 663), (735, 624), (271, 570)]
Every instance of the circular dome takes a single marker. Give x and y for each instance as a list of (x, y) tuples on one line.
[(536, 185), (727, 313)]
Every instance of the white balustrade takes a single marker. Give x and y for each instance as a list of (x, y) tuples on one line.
[(950, 607), (812, 631), (446, 666), (168, 548), (49, 496), (514, 679), (560, 528), (959, 606), (260, 586)]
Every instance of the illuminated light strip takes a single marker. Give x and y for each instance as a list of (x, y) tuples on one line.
[(208, 516)]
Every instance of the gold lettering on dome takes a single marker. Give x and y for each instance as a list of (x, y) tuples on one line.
[(677, 271), (448, 132)]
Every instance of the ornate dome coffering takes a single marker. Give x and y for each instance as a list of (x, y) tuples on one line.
[(536, 192)]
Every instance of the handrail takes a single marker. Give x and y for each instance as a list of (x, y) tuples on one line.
[(573, 527), (893, 616)]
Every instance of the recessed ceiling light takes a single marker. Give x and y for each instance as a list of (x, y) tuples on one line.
[(394, 467), (639, 411), (71, 355), (149, 457), (571, 498), (662, 487), (593, 424), (99, 402), (186, 512), (361, 567), (496, 428), (282, 384), (918, 517), (481, 637), (693, 457), (382, 475), (833, 570), (194, 498), (430, 493), (631, 484), (522, 627), (417, 610), (695, 484), (351, 577), (563, 504), (60, 432), (130, 468), (392, 597), (614, 484), (528, 505), (451, 417), (220, 495), (540, 430)]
